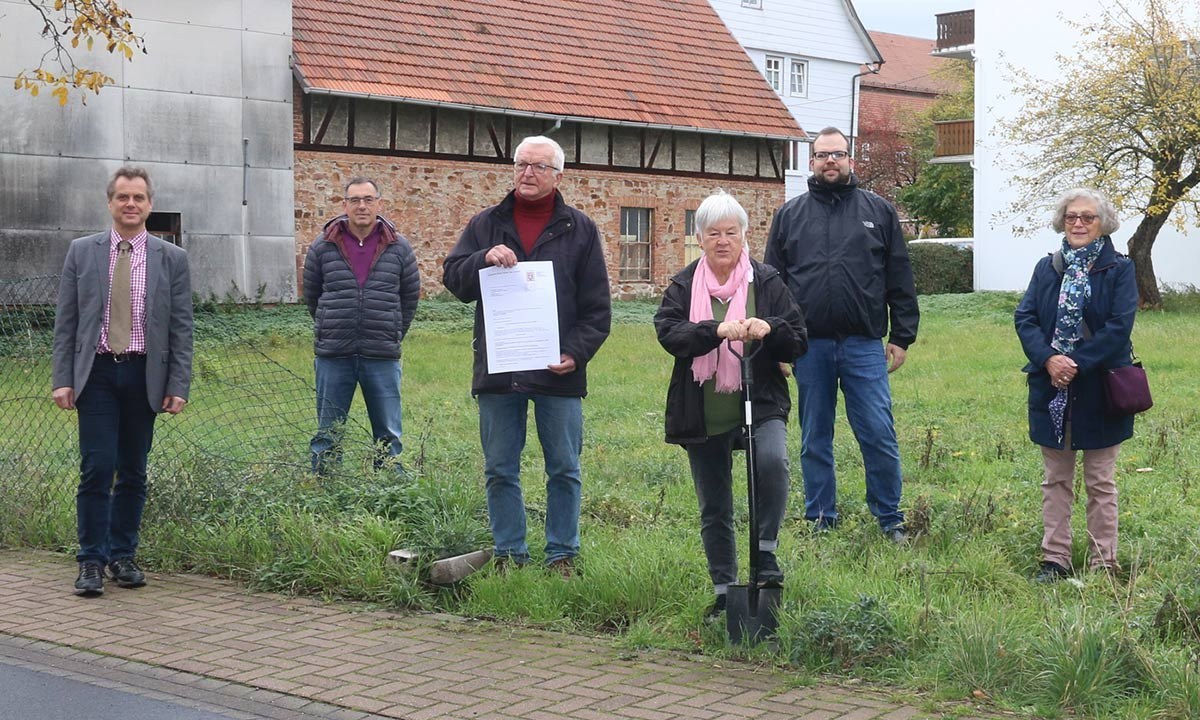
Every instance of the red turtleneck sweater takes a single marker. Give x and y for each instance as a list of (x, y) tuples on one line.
[(531, 218)]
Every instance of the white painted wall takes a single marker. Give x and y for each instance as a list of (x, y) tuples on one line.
[(819, 31), (1029, 33)]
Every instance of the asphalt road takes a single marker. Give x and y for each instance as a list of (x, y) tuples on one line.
[(28, 694), (42, 681)]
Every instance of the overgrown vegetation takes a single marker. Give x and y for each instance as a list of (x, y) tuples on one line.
[(954, 615)]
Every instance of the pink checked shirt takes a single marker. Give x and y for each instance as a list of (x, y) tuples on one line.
[(137, 291)]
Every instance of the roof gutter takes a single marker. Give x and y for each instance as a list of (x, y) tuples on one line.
[(309, 90)]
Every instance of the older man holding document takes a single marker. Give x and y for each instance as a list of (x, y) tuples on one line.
[(533, 224)]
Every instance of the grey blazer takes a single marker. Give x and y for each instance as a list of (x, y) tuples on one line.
[(83, 295)]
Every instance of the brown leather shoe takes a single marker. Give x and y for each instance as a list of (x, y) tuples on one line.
[(564, 566)]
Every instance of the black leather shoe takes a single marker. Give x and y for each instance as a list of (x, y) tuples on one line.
[(717, 608), (769, 574), (1051, 572), (127, 573), (90, 582)]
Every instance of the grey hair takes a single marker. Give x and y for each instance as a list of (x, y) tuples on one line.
[(360, 180), (1105, 210), (717, 207), (559, 157)]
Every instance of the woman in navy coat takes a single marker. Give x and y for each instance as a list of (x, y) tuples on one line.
[(1074, 324)]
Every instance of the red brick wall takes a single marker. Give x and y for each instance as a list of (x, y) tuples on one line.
[(430, 201)]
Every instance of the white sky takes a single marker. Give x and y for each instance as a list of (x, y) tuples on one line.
[(907, 17)]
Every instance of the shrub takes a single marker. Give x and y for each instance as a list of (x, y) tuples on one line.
[(941, 269), (841, 636)]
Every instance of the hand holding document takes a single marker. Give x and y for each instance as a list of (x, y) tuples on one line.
[(520, 316)]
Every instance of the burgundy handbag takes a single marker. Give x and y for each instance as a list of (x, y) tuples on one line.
[(1127, 390)]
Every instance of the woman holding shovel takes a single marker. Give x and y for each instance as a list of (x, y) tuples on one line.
[(714, 310)]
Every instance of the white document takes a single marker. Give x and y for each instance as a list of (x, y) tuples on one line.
[(520, 316)]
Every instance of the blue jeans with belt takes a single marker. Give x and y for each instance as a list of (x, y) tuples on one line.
[(116, 429), (859, 365), (502, 423)]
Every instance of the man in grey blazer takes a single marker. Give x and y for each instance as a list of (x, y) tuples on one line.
[(122, 354)]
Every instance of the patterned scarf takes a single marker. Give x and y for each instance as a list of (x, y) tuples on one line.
[(1073, 297), (720, 361)]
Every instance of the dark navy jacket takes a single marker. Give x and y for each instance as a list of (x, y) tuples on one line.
[(572, 243), (350, 320), (1109, 316), (687, 340)]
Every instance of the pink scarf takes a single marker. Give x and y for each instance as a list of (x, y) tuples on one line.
[(720, 361)]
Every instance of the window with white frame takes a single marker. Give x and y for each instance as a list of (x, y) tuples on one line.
[(773, 70), (634, 263), (795, 160), (798, 87), (691, 241)]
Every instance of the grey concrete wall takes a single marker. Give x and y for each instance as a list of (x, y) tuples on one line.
[(216, 73)]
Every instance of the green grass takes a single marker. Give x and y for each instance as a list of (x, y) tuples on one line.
[(954, 616)]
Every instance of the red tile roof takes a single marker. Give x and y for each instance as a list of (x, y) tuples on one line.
[(654, 62), (908, 65)]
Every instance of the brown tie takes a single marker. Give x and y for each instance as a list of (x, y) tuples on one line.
[(120, 312)]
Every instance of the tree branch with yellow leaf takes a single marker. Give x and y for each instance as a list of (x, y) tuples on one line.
[(67, 24)]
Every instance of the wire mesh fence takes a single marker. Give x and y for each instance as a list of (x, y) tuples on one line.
[(251, 416)]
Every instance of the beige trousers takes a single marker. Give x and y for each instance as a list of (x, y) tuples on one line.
[(1058, 495)]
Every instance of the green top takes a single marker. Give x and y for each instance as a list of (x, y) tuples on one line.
[(723, 411)]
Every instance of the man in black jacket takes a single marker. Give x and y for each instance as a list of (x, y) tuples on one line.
[(361, 285), (533, 223), (846, 263)]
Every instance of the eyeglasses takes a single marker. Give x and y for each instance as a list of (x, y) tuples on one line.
[(364, 200), (836, 155), (1087, 219), (539, 168)]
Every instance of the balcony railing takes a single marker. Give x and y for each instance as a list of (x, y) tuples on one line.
[(954, 138), (955, 29)]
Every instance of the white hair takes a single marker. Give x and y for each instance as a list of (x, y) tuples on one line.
[(1105, 210), (717, 207), (559, 157)]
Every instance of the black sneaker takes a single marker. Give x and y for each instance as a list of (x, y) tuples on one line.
[(897, 535), (127, 573), (769, 574), (717, 608), (90, 582), (1051, 572)]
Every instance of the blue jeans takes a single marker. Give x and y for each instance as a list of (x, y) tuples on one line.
[(502, 422), (116, 428), (337, 377), (860, 366), (712, 473)]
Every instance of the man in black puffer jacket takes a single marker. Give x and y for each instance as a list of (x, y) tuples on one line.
[(361, 285)]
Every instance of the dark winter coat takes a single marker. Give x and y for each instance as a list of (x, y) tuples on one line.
[(1109, 316), (687, 340), (371, 320), (846, 263), (572, 243)]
